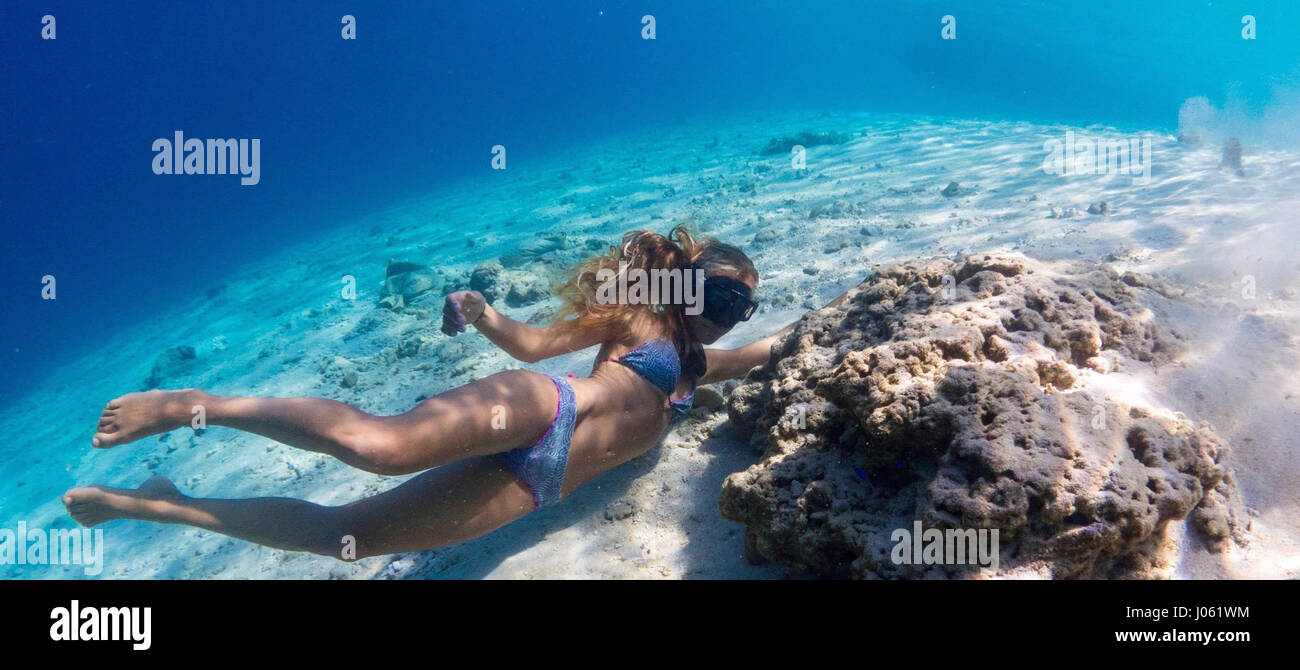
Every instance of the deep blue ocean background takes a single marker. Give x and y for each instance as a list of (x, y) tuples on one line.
[(417, 101)]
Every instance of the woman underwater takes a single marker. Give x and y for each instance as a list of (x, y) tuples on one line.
[(557, 432)]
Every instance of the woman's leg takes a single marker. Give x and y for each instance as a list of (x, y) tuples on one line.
[(500, 412), (434, 509)]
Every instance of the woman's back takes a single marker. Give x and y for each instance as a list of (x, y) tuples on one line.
[(621, 413)]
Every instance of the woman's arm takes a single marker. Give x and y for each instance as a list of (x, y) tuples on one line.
[(522, 341), (529, 343), (726, 364)]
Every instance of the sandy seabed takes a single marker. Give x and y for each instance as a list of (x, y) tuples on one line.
[(280, 327)]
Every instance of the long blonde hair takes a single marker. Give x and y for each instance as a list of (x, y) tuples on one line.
[(645, 250)]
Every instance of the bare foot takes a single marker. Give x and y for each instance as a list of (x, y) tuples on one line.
[(95, 504), (137, 415)]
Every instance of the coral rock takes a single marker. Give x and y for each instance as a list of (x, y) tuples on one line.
[(951, 392), (782, 145), (404, 281)]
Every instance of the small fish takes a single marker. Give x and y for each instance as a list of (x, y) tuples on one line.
[(862, 475)]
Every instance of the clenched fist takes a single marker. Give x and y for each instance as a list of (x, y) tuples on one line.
[(461, 308)]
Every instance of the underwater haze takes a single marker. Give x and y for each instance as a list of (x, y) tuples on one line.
[(427, 89), (382, 147)]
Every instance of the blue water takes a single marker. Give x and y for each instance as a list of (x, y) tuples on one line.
[(418, 100)]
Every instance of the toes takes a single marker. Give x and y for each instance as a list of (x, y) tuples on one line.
[(76, 496), (87, 505), (102, 440)]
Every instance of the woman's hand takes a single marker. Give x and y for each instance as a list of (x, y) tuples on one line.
[(460, 309)]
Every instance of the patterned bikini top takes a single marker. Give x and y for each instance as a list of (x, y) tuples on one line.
[(658, 363)]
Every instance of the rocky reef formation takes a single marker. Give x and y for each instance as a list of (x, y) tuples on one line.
[(407, 282), (964, 394), (404, 281), (807, 138)]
